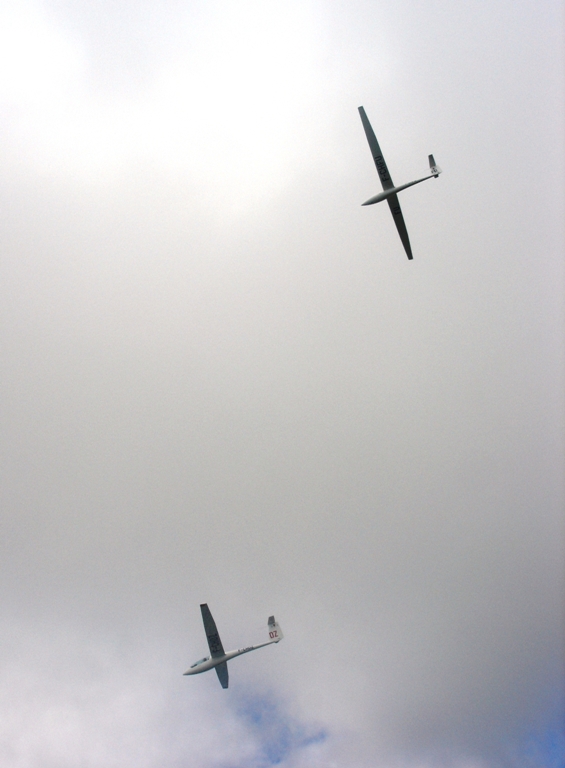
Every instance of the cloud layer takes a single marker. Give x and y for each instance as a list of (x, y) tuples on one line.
[(223, 382)]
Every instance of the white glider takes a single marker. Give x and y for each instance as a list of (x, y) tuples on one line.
[(389, 192), (218, 658)]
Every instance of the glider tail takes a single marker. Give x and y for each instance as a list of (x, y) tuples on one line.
[(435, 170), (275, 632)]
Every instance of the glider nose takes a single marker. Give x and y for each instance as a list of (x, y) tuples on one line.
[(376, 198)]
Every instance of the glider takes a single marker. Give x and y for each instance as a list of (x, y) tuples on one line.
[(389, 192), (218, 658)]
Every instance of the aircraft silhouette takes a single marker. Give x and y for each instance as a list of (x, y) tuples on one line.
[(389, 192)]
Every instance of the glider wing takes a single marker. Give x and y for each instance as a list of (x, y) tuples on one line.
[(396, 211), (222, 672), (382, 169), (214, 642)]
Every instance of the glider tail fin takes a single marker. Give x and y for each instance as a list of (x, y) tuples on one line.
[(275, 632), (435, 170)]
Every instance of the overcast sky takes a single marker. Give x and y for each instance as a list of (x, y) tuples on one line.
[(223, 382)]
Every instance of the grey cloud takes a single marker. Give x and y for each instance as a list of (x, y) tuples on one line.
[(246, 395)]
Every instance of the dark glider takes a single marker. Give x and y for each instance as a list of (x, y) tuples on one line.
[(389, 192)]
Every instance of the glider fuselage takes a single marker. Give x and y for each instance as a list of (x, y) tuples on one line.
[(210, 662)]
